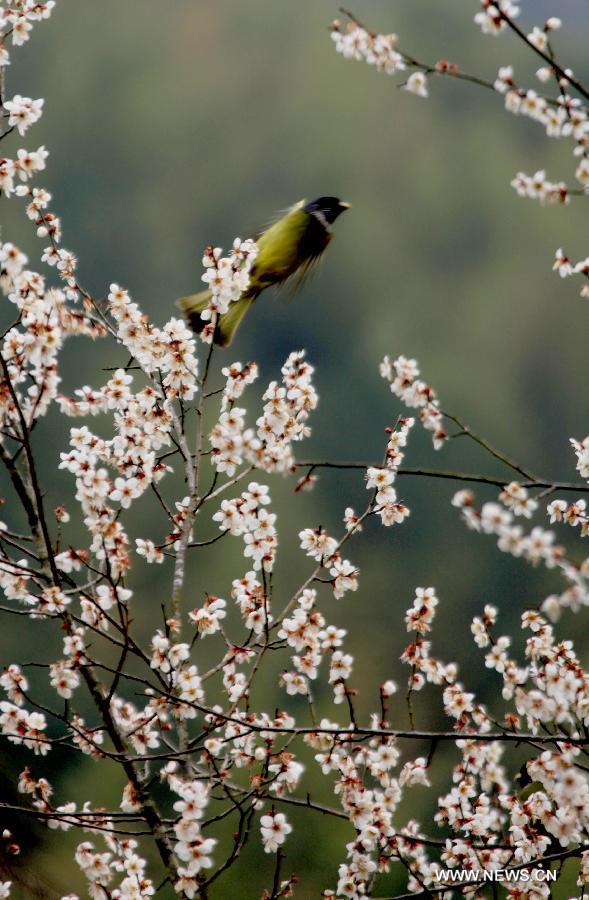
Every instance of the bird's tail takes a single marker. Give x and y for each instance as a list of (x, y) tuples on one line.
[(192, 305), (227, 325)]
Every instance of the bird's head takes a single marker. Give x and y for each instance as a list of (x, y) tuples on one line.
[(326, 209)]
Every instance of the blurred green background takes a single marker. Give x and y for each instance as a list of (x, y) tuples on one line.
[(174, 126)]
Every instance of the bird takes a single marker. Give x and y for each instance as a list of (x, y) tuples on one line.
[(291, 245)]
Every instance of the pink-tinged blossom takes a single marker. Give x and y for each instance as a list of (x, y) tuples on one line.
[(376, 49), (538, 187), (403, 376), (581, 449), (318, 544), (417, 84), (246, 516), (170, 351), (285, 414), (516, 498), (504, 80), (351, 520), (14, 683), (421, 615), (274, 829), (23, 112), (238, 378), (294, 683), (345, 577), (165, 655), (227, 278), (415, 772), (490, 18), (63, 678), (149, 551), (207, 618), (141, 436), (22, 727)]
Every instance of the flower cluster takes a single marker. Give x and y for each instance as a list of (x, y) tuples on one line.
[(227, 277), (517, 498), (491, 19), (207, 618), (377, 50), (238, 378), (283, 420), (121, 860), (254, 742), (370, 791), (168, 351), (100, 868), (23, 112), (139, 727), (551, 687), (403, 376), (326, 551), (254, 606), (425, 668), (307, 632), (143, 423), (561, 116), (581, 449), (31, 347), (247, 517), (566, 268), (191, 848), (538, 546), (166, 656), (386, 504), (571, 513), (220, 759), (285, 415), (538, 187), (19, 19), (22, 727)]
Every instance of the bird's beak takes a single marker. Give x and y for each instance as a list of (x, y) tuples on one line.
[(344, 205)]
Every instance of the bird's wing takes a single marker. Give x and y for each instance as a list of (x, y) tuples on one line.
[(289, 289), (279, 249), (278, 215)]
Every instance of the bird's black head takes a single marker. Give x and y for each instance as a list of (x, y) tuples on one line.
[(326, 209)]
